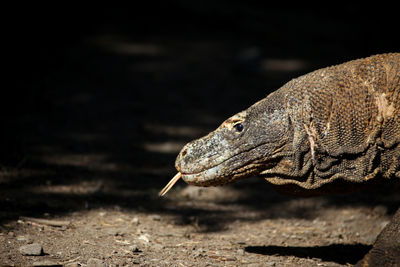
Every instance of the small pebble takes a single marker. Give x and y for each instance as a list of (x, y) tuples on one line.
[(22, 238), (92, 262), (114, 232), (134, 248), (158, 246), (199, 252), (240, 251), (155, 217), (34, 249), (144, 237), (135, 220), (46, 263)]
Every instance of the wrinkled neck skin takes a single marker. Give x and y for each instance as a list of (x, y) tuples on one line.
[(247, 144)]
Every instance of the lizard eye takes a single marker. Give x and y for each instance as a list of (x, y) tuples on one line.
[(238, 127)]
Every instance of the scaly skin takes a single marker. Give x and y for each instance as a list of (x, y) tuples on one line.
[(341, 122), (327, 131)]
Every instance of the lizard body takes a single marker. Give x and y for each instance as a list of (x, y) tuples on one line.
[(336, 123), (326, 131)]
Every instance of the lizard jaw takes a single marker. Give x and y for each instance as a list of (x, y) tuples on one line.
[(213, 169), (203, 178), (217, 174)]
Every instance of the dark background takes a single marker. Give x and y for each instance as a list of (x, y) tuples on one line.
[(102, 79)]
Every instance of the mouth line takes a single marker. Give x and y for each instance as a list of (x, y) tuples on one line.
[(213, 170), (186, 174)]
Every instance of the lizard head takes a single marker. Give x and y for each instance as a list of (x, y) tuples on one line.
[(244, 145)]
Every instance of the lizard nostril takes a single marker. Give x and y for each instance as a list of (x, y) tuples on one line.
[(183, 153)]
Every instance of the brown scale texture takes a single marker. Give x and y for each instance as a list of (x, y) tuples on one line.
[(347, 118), (351, 116)]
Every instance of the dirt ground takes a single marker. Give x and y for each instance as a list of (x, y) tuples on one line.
[(100, 111)]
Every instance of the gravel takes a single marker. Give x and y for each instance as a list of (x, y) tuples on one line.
[(34, 249)]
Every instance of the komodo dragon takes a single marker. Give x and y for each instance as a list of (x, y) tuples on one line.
[(332, 130)]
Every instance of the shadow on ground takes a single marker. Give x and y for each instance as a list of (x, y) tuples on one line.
[(342, 254)]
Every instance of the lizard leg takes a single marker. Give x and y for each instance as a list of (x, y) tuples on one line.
[(386, 249)]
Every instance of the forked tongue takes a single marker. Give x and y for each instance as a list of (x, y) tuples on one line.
[(170, 184)]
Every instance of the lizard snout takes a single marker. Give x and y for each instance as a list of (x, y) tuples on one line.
[(181, 158), (194, 157)]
